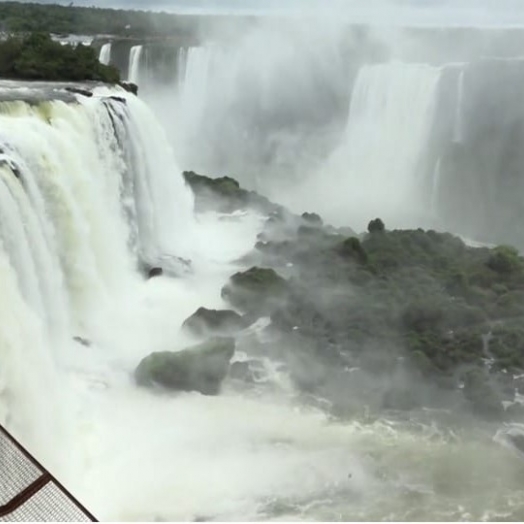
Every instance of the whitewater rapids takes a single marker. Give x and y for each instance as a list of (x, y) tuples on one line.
[(85, 189)]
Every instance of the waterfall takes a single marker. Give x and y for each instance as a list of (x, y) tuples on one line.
[(195, 72), (458, 130), (435, 190), (134, 63), (105, 54), (377, 168), (77, 182)]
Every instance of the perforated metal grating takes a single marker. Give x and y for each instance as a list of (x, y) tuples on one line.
[(30, 493)]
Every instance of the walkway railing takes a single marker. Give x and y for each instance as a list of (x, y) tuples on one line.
[(28, 492)]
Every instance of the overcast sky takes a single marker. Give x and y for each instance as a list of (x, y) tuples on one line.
[(441, 12)]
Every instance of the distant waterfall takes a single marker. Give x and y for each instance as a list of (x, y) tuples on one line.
[(196, 65), (458, 131), (105, 54), (134, 63), (376, 170)]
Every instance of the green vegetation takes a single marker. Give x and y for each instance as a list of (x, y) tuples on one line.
[(224, 194), (27, 17), (37, 57), (199, 368), (448, 314), (257, 290)]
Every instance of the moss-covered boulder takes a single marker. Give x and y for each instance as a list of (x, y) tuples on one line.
[(199, 368), (225, 195), (204, 322), (258, 291)]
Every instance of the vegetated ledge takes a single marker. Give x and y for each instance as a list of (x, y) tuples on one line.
[(36, 56), (401, 319)]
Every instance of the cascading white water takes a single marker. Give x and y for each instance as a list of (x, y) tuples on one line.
[(435, 190), (105, 54), (253, 109), (458, 131), (376, 170), (194, 76), (134, 64), (63, 236), (81, 186)]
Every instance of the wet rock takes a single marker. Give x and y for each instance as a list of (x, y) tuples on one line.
[(257, 290), (82, 341), (118, 99), (155, 272), (130, 87), (199, 368), (212, 321), (225, 195), (79, 91)]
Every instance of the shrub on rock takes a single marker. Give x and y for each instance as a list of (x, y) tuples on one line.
[(376, 226)]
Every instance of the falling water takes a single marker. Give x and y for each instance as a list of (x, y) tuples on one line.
[(105, 54), (376, 169), (458, 130), (134, 63)]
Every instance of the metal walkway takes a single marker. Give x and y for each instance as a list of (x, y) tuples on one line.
[(28, 492)]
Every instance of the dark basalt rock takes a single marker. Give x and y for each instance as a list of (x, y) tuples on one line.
[(79, 91), (118, 99), (155, 272), (204, 322), (130, 87), (82, 341), (256, 291), (225, 195), (199, 368)]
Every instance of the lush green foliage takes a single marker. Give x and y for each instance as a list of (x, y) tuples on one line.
[(26, 17), (37, 57), (447, 313)]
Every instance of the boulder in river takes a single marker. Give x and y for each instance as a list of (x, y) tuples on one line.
[(257, 290), (198, 368), (213, 321)]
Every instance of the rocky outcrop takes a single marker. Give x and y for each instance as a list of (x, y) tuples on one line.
[(199, 368), (419, 304), (204, 322), (130, 87), (79, 91), (257, 291), (155, 272), (225, 195)]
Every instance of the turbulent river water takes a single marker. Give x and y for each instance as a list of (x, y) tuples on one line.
[(87, 185)]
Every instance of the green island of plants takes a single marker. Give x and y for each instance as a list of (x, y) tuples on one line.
[(36, 56)]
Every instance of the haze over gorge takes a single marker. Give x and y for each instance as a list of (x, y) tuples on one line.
[(283, 282)]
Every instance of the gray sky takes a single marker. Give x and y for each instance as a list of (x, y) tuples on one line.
[(440, 12)]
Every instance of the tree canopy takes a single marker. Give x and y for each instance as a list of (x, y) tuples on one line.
[(37, 56), (59, 19)]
